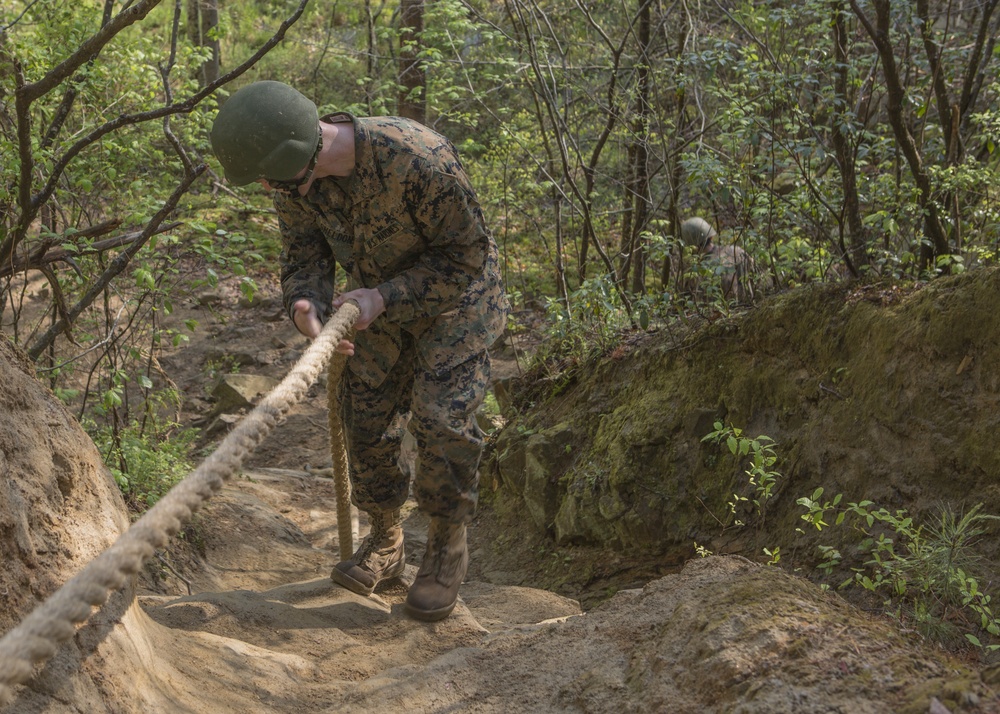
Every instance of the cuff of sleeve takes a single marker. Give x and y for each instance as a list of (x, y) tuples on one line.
[(398, 305), (322, 310)]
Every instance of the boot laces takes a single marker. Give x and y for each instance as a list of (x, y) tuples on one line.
[(375, 535)]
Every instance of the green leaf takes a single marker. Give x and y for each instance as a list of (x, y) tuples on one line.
[(144, 278), (248, 289), (112, 398)]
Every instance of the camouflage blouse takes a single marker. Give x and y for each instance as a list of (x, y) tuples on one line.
[(408, 223)]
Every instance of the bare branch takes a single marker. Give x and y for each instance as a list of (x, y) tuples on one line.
[(117, 265), (29, 205), (36, 261), (112, 329)]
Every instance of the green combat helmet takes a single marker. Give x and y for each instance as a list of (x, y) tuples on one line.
[(697, 232), (265, 130)]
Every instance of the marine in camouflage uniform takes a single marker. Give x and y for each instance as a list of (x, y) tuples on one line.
[(404, 222), (407, 223), (732, 264)]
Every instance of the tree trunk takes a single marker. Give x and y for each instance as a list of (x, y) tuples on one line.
[(937, 241), (203, 19), (412, 78), (675, 168), (640, 157), (856, 254)]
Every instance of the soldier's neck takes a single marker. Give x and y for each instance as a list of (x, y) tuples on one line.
[(337, 156)]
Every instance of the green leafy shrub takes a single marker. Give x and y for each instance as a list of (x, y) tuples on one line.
[(145, 463), (930, 573), (590, 324)]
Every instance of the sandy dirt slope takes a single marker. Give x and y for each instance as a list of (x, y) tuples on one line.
[(265, 620)]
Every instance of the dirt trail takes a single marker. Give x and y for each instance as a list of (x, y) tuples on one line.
[(265, 630), (265, 619)]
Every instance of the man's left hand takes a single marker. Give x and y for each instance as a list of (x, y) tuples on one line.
[(370, 302)]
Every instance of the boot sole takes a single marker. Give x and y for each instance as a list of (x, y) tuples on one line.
[(356, 586), (429, 615)]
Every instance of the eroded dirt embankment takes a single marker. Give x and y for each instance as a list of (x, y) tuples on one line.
[(882, 393)]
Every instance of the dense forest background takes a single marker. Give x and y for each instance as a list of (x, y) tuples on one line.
[(828, 139)]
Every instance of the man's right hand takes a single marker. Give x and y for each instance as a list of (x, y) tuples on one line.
[(307, 322), (305, 318)]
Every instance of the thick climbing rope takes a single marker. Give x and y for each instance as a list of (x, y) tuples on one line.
[(338, 451), (54, 622)]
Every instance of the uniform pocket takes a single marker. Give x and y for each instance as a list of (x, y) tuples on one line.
[(395, 251)]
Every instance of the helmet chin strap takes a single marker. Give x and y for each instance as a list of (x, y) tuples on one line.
[(293, 184)]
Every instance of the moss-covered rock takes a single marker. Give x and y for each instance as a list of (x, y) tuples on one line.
[(881, 392)]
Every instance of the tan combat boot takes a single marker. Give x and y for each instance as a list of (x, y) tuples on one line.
[(380, 556), (446, 560)]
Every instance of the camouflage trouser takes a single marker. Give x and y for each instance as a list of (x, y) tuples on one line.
[(449, 441)]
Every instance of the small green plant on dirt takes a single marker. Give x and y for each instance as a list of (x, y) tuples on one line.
[(215, 368), (761, 480), (928, 573), (932, 570), (816, 509), (761, 476), (831, 559), (592, 476)]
